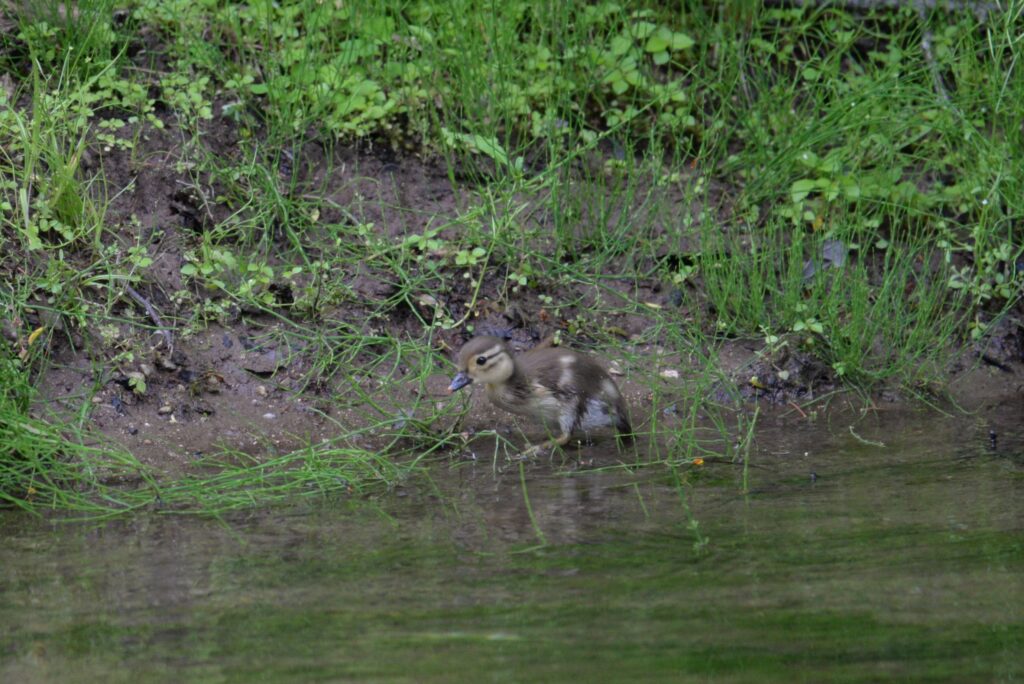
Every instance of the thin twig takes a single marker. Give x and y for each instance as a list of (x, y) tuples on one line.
[(162, 329), (926, 48)]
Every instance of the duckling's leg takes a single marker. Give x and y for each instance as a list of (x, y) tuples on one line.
[(567, 420), (550, 444)]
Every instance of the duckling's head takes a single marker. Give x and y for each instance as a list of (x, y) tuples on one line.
[(483, 359)]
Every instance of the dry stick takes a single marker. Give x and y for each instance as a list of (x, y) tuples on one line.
[(162, 329)]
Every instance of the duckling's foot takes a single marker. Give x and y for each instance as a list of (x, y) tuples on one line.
[(539, 448), (526, 454)]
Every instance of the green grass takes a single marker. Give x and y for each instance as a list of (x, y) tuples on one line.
[(44, 465), (599, 154)]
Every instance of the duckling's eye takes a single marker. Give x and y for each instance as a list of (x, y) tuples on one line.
[(481, 360)]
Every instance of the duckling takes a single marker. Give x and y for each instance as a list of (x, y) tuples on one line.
[(565, 390)]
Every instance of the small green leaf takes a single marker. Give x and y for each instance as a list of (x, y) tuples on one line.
[(801, 188), (809, 159), (830, 189), (491, 148), (137, 382), (681, 41), (423, 34), (656, 43), (642, 29), (849, 187), (621, 45)]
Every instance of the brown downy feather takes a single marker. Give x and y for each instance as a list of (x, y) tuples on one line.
[(558, 386)]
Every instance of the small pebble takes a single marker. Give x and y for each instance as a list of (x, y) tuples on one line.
[(165, 409), (270, 416), (669, 373)]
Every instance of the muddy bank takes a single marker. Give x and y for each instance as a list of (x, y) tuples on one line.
[(228, 391)]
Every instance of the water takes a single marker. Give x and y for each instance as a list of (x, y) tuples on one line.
[(903, 562)]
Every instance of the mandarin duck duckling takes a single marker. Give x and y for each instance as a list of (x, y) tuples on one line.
[(563, 389)]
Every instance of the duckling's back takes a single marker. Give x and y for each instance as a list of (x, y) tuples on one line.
[(580, 385)]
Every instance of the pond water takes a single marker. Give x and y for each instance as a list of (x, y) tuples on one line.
[(901, 562)]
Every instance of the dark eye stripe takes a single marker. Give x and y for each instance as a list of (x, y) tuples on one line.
[(481, 360)]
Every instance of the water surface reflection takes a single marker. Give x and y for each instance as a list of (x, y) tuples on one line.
[(904, 561)]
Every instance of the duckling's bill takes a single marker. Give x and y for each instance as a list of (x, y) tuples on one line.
[(460, 380)]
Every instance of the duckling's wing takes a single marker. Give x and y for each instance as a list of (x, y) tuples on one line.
[(585, 393), (553, 368)]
